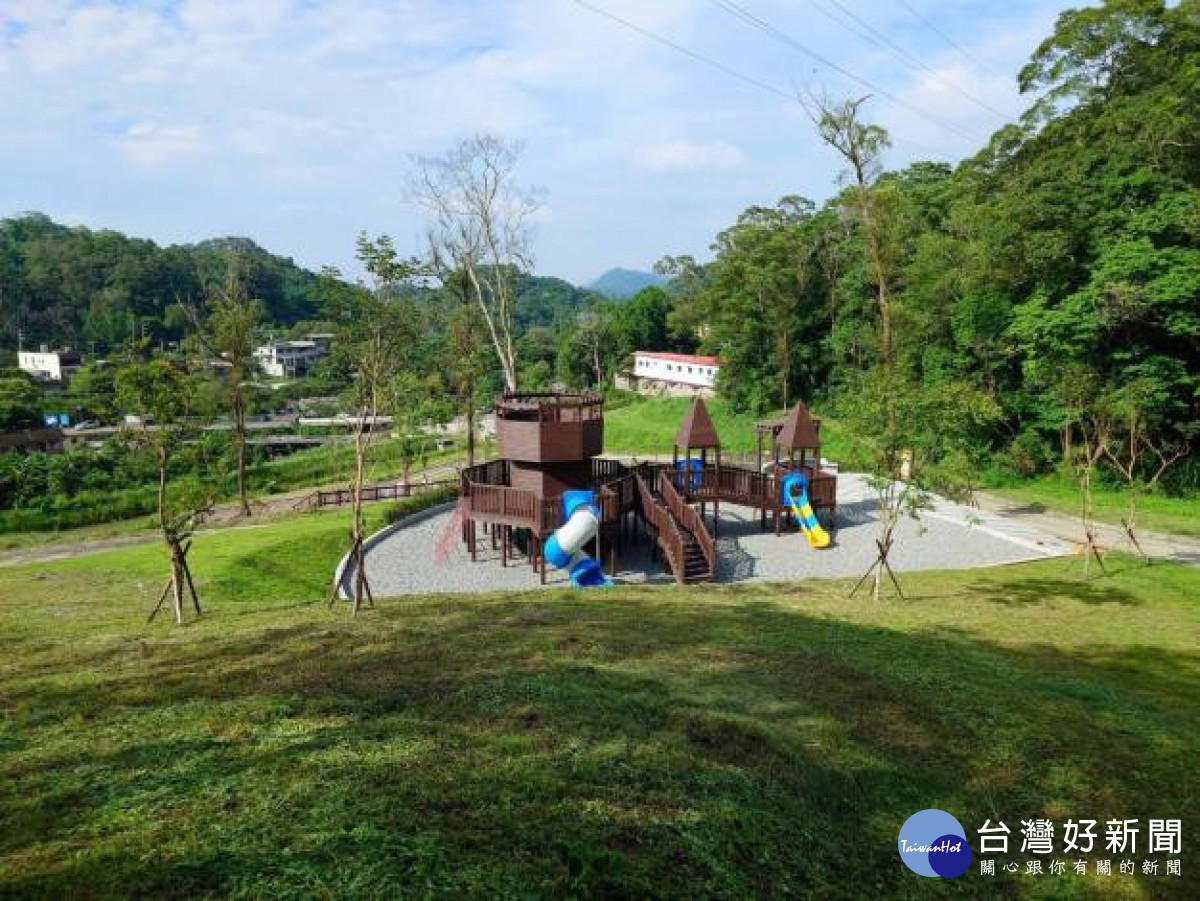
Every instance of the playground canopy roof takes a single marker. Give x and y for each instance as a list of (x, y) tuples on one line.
[(799, 430), (697, 429)]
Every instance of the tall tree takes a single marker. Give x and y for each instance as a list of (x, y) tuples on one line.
[(861, 146), (228, 333)]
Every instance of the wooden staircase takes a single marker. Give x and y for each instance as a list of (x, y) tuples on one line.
[(695, 564), (679, 531)]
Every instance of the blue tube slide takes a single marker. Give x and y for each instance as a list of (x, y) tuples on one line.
[(563, 548)]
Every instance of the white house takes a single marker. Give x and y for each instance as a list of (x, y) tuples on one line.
[(675, 372), (288, 359), (49, 365)]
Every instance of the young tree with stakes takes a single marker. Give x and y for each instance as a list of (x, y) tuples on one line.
[(375, 329), (862, 146), (1142, 454), (160, 394)]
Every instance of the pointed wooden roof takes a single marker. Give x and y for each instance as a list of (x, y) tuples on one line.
[(798, 431), (697, 429)]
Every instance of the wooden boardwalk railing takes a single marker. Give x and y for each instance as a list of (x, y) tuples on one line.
[(339, 497)]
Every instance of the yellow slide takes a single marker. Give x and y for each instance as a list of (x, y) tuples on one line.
[(795, 494)]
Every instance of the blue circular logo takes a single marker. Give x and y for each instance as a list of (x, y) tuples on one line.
[(933, 843)]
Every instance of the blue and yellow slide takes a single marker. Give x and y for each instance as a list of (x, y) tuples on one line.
[(795, 495)]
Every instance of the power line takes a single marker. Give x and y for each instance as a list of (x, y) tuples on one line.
[(879, 39), (762, 85), (749, 17), (949, 42), (748, 79)]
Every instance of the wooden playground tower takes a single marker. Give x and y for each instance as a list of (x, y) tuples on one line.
[(549, 443)]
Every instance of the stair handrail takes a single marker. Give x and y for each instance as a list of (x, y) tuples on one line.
[(688, 517)]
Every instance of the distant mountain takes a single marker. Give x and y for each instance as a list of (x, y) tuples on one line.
[(618, 284)]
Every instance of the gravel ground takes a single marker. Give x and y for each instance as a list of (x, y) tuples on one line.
[(405, 563)]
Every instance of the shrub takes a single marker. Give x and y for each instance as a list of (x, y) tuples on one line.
[(1028, 455)]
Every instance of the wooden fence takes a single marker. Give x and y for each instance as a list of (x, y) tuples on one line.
[(339, 497)]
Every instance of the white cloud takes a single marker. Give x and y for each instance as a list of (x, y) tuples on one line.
[(681, 157), (153, 144), (250, 107)]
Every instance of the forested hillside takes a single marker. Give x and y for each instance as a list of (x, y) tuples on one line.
[(75, 286), (1054, 275), (84, 288)]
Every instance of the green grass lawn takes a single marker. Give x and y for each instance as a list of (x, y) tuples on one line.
[(1156, 512), (718, 741), (648, 426)]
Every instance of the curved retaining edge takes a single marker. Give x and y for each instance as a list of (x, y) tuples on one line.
[(341, 575)]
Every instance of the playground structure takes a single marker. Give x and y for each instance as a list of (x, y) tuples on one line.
[(553, 500)]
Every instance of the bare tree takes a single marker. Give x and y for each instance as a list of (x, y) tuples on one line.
[(1140, 455), (1088, 415), (479, 226)]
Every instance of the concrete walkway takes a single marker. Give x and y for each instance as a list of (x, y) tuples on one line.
[(1066, 528)]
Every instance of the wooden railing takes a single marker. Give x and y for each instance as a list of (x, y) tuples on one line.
[(666, 535), (744, 486), (504, 505), (737, 485), (605, 471), (550, 407), (688, 517), (337, 497), (494, 472)]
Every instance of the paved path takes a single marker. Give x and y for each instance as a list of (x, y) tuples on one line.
[(1067, 528), (949, 537)]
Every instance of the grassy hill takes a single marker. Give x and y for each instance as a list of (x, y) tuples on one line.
[(648, 425), (723, 740)]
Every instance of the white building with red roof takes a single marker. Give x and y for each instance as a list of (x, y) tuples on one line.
[(683, 373)]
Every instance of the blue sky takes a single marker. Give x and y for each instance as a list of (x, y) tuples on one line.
[(295, 121)]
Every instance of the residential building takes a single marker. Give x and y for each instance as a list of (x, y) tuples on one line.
[(289, 359), (674, 373), (47, 365)]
